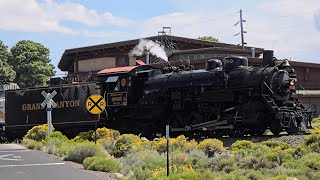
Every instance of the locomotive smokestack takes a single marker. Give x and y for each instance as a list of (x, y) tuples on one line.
[(268, 58)]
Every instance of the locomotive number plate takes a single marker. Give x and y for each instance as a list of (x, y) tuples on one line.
[(117, 99)]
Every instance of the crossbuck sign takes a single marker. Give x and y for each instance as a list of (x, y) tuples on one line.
[(50, 103)]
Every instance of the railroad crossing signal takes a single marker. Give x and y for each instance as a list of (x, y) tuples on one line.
[(49, 102), (95, 104)]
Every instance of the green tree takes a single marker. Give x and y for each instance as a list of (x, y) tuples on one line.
[(31, 62), (6, 71), (208, 38)]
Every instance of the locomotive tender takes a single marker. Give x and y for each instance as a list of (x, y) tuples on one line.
[(226, 98)]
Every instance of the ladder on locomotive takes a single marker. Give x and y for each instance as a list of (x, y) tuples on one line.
[(270, 103)]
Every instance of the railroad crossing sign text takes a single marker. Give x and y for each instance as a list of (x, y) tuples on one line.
[(95, 104)]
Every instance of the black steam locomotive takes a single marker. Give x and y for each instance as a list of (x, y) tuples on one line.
[(226, 98)]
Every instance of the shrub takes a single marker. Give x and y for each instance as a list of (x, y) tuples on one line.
[(186, 175), (178, 143), (125, 143), (313, 142), (179, 158), (242, 146), (160, 145), (58, 135), (88, 135), (316, 123), (254, 175), (141, 173), (108, 144), (105, 164), (38, 133), (312, 160), (82, 150), (64, 148), (211, 146), (260, 150), (252, 162), (299, 152), (224, 163), (276, 145), (191, 145), (88, 161), (105, 132), (32, 144), (313, 138)]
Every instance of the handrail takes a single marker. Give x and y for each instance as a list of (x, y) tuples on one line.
[(268, 87)]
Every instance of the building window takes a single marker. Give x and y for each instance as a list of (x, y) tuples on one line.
[(122, 61)]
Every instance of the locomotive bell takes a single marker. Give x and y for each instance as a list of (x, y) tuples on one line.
[(286, 63)]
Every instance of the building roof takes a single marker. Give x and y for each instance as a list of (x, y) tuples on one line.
[(117, 70), (102, 50)]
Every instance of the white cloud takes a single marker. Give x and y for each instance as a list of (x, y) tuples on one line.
[(80, 13), (27, 16), (35, 16), (286, 26)]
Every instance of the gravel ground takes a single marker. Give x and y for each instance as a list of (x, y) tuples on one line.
[(293, 140)]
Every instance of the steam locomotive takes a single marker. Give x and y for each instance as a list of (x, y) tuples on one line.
[(228, 97)]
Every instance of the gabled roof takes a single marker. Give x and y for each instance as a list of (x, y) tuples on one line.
[(89, 52)]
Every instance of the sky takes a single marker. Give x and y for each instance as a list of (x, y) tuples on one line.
[(289, 27)]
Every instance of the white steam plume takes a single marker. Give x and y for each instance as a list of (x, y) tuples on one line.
[(153, 47)]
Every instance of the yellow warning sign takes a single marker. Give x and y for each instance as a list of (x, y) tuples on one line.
[(95, 104)]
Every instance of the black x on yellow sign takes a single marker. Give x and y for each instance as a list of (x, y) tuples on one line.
[(95, 104)]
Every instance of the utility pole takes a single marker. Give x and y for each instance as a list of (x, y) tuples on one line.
[(241, 29)]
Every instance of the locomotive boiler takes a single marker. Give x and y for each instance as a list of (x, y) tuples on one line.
[(226, 98)]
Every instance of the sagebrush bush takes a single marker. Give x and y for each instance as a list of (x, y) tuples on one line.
[(58, 135), (87, 161), (32, 144), (221, 163), (82, 150), (38, 133), (108, 144), (185, 175), (316, 122), (255, 175), (125, 143), (140, 173), (85, 136), (276, 145), (253, 162), (179, 158), (242, 145), (211, 146), (160, 145), (312, 160), (106, 133), (105, 164), (312, 142)]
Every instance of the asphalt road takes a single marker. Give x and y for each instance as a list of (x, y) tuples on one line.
[(17, 162)]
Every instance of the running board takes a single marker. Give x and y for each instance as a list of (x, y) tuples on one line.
[(200, 126)]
